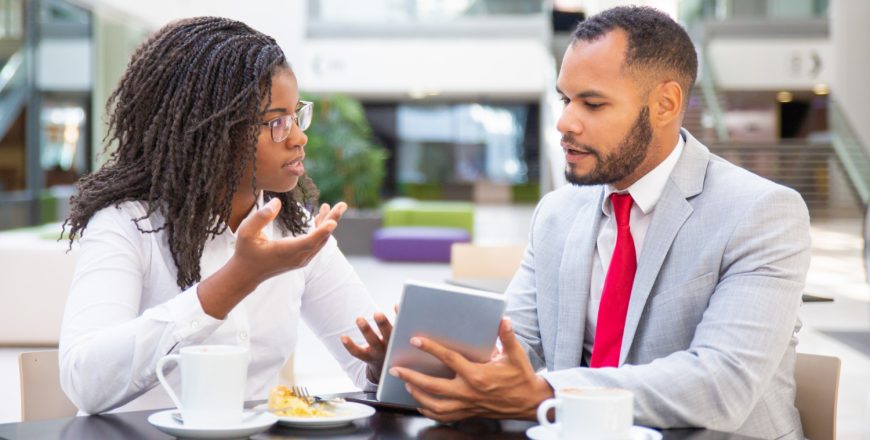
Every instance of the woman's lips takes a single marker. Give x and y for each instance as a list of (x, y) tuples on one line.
[(295, 167)]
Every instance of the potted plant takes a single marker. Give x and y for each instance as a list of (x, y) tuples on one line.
[(347, 164)]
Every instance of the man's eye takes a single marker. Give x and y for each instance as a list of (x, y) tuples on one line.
[(565, 101), (592, 106)]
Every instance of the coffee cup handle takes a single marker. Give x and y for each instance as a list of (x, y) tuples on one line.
[(544, 408), (162, 378)]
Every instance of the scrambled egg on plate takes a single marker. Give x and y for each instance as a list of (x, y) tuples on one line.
[(282, 402)]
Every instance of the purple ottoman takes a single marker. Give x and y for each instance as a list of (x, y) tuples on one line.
[(416, 243)]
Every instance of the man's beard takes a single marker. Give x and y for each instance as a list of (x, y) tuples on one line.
[(618, 165)]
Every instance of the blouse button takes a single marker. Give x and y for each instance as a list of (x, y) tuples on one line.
[(194, 324), (243, 335)]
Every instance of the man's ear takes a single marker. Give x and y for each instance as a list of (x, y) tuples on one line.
[(666, 103)]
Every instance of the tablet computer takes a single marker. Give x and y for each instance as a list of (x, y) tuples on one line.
[(465, 320)]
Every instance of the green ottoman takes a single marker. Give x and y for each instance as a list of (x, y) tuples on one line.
[(446, 214)]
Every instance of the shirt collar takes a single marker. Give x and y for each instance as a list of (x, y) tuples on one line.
[(648, 189)]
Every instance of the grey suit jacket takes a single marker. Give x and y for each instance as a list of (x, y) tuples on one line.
[(711, 327)]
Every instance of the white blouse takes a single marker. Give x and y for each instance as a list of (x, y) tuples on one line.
[(125, 311)]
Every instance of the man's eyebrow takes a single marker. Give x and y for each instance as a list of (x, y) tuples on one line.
[(584, 95)]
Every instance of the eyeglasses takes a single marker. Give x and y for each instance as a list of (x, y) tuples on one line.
[(282, 125)]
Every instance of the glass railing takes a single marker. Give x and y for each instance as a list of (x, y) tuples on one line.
[(752, 10), (13, 90), (853, 156), (11, 19)]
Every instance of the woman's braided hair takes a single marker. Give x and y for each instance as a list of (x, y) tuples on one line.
[(185, 117)]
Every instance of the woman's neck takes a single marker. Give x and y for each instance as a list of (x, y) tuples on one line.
[(242, 203)]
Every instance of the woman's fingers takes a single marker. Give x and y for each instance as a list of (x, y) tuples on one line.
[(384, 326)]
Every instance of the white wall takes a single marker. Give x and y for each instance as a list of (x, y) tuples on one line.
[(771, 63), (284, 20), (405, 68), (850, 34)]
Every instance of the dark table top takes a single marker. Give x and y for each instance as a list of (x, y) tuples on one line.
[(385, 424)]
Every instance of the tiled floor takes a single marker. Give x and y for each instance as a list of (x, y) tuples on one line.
[(840, 328)]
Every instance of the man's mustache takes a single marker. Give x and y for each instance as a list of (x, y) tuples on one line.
[(569, 142)]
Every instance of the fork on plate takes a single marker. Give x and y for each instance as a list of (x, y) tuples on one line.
[(302, 393)]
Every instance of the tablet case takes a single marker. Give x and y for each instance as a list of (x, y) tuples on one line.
[(465, 320)]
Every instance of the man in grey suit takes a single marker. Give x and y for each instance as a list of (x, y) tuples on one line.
[(663, 269)]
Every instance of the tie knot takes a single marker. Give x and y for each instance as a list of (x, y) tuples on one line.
[(621, 204)]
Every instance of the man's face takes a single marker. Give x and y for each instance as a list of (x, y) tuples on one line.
[(605, 124)]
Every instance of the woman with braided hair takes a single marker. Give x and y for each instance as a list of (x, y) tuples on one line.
[(197, 229)]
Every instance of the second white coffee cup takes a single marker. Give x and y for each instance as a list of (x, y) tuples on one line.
[(213, 379), (590, 413)]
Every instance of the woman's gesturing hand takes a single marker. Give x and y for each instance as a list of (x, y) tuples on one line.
[(266, 258), (258, 258)]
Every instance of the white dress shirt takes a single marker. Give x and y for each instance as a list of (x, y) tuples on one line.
[(645, 193), (125, 311)]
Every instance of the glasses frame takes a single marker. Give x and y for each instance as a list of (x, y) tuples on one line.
[(303, 106)]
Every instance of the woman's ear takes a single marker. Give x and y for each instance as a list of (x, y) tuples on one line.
[(666, 103)]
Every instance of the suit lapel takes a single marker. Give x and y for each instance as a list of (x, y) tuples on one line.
[(671, 211), (574, 283)]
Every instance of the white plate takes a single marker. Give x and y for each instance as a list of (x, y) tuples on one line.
[(539, 432), (252, 423), (343, 414)]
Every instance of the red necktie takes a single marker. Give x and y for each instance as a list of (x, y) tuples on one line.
[(617, 289)]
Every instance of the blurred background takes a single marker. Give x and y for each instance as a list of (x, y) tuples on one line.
[(450, 101)]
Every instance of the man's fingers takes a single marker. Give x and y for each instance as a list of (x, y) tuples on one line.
[(257, 220), (437, 405), (429, 384), (454, 360), (511, 347)]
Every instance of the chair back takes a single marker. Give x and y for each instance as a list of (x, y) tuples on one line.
[(41, 395), (818, 381), (475, 261)]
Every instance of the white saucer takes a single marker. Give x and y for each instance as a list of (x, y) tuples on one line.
[(539, 432), (342, 414), (252, 423)]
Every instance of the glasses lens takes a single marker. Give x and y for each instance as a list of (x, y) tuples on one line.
[(281, 128), (303, 115)]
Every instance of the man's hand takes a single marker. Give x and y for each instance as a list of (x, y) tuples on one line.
[(505, 387)]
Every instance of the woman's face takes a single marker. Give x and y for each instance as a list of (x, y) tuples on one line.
[(279, 164)]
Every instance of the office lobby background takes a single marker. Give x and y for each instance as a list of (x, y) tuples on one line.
[(460, 99)]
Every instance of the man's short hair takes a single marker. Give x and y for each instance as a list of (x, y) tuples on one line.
[(655, 42)]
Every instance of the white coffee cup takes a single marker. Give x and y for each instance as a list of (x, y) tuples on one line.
[(213, 379), (590, 413)]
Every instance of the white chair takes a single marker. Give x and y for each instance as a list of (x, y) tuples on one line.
[(818, 382), (41, 395)]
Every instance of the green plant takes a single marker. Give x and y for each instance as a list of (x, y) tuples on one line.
[(342, 157)]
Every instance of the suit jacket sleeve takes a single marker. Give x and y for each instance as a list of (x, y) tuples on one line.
[(522, 304), (743, 334)]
